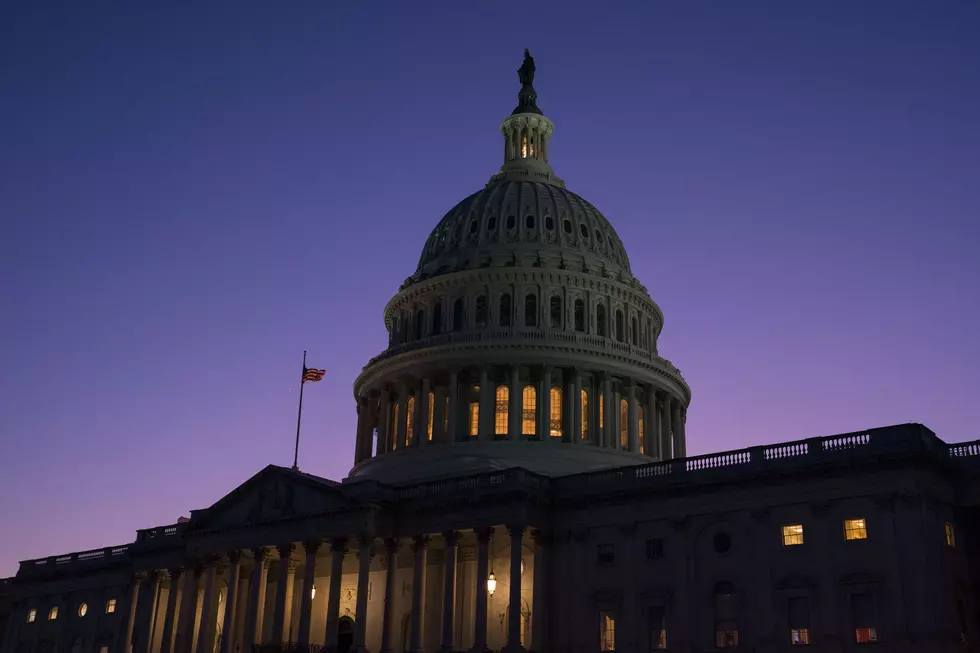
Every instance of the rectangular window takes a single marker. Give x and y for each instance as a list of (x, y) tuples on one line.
[(863, 615), (474, 418), (605, 554), (607, 630), (793, 535), (110, 606), (950, 535), (799, 621), (655, 548), (53, 613), (855, 529), (726, 637), (641, 430), (657, 625), (585, 415), (31, 615), (432, 410)]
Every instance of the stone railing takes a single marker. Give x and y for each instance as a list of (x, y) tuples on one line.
[(95, 557), (159, 534), (288, 647), (508, 480), (893, 441)]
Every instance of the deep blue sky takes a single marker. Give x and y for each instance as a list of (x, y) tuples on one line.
[(191, 195)]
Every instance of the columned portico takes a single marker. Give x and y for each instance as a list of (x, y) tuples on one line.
[(451, 539), (338, 549), (229, 627), (306, 600)]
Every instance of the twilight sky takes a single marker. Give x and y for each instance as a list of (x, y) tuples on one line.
[(192, 195)]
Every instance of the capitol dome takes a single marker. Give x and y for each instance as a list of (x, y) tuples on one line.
[(521, 339)]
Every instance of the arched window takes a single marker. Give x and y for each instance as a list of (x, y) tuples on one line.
[(579, 315), (432, 410), (481, 311), (420, 324), (555, 312), (634, 336), (531, 310), (624, 436), (474, 414), (619, 326), (556, 431), (437, 318), (529, 410), (500, 415), (505, 309), (409, 421), (458, 315), (585, 415), (600, 320), (524, 145), (726, 615), (641, 431)]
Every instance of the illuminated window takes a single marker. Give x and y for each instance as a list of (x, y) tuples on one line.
[(579, 315), (556, 431), (602, 421), (500, 415), (103, 649), (657, 627), (792, 534), (523, 146), (600, 320), (53, 613), (481, 311), (585, 415), (641, 431), (863, 614), (950, 535), (32, 615), (474, 418), (531, 310), (624, 436), (505, 309), (555, 312), (799, 621), (409, 421), (432, 410), (726, 615), (110, 606), (607, 630), (82, 609), (529, 410), (855, 529)]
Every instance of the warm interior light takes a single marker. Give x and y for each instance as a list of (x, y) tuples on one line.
[(313, 592), (491, 584)]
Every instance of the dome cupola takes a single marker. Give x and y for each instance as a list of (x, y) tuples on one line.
[(522, 338)]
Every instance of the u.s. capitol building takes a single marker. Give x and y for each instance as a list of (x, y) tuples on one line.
[(521, 482)]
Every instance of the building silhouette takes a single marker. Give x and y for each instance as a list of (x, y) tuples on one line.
[(521, 482)]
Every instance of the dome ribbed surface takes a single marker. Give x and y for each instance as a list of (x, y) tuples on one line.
[(511, 218)]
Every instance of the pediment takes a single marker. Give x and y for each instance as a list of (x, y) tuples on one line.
[(274, 494)]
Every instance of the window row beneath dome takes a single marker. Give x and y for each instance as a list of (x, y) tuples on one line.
[(606, 319)]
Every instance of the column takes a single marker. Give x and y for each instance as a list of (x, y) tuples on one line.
[(338, 548), (515, 421), (439, 415), (539, 599), (665, 448), (279, 616), (544, 392), (359, 432), (514, 609), (419, 546), (306, 601), (361, 607), (384, 422), (633, 414), (422, 413), (454, 434), (145, 635), (399, 441), (451, 539), (682, 423), (167, 645), (576, 400), (609, 412), (256, 601), (487, 411), (231, 603), (388, 618), (567, 408), (184, 639), (482, 569), (134, 596), (205, 634), (677, 429), (651, 424)]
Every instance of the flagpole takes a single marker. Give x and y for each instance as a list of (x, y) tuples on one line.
[(299, 416)]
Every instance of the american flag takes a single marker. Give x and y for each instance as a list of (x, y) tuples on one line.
[(312, 375)]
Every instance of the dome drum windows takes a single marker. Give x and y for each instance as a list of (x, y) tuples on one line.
[(511, 222), (458, 314), (437, 318), (506, 310), (600, 319), (579, 315), (481, 311), (620, 327), (530, 310), (502, 407), (529, 221), (555, 312)]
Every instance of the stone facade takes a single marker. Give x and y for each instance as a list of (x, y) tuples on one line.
[(521, 482)]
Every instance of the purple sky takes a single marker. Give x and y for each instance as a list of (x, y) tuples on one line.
[(192, 196)]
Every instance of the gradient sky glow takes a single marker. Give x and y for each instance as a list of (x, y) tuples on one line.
[(192, 195)]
